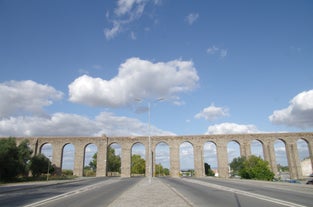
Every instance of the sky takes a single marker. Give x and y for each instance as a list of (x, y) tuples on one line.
[(88, 68)]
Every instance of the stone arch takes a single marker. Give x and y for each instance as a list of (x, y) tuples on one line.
[(257, 148), (138, 148), (114, 168), (210, 156), (68, 156), (281, 158), (90, 150), (47, 150), (233, 150), (162, 159), (304, 156), (186, 157)]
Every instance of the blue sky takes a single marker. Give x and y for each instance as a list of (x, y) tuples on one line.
[(79, 67)]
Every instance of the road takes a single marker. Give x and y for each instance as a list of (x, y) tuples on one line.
[(241, 193), (82, 192), (139, 192)]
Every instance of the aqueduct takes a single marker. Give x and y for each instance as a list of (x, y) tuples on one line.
[(244, 140)]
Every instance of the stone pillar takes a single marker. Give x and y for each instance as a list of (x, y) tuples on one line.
[(198, 160), (125, 160), (102, 157), (34, 145), (174, 159), (245, 148), (79, 159), (147, 157), (154, 160), (57, 154), (293, 160), (310, 145), (153, 155), (269, 155), (222, 159)]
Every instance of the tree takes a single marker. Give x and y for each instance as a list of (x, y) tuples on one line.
[(114, 161), (236, 165), (282, 168), (93, 163), (252, 168), (159, 170), (256, 168), (208, 170), (138, 165), (113, 164), (24, 155), (166, 171), (39, 164), (9, 159)]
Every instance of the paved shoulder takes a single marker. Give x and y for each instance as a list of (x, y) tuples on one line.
[(148, 194)]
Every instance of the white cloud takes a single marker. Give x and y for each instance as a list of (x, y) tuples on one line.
[(186, 153), (231, 128), (126, 12), (121, 126), (298, 114), (212, 112), (217, 51), (133, 36), (126, 6), (212, 50), (58, 124), (162, 153), (18, 97), (110, 33), (223, 53), (136, 79), (191, 18), (61, 124)]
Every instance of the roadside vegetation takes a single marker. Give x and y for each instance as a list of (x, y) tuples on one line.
[(252, 167), (18, 165)]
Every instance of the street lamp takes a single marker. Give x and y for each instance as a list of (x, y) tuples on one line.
[(48, 167), (149, 136)]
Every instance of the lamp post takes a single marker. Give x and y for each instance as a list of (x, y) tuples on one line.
[(48, 167), (149, 137)]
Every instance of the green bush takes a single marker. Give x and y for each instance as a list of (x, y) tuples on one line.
[(252, 168), (67, 172)]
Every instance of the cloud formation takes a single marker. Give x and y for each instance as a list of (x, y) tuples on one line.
[(63, 124), (126, 12), (136, 79), (298, 114), (212, 112), (217, 51), (20, 97), (231, 128), (191, 18)]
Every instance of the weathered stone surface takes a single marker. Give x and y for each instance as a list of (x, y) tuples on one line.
[(174, 142)]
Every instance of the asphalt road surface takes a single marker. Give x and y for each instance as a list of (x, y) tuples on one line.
[(241, 193), (115, 191), (78, 193)]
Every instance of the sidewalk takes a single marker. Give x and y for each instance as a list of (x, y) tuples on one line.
[(145, 194), (10, 187)]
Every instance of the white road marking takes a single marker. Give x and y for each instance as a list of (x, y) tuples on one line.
[(71, 193)]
